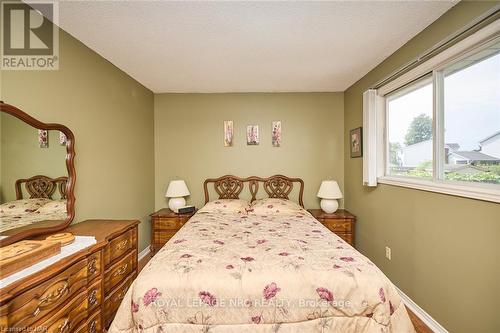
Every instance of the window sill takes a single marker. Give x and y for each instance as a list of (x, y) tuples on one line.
[(484, 192)]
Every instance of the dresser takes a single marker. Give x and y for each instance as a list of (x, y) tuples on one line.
[(341, 223), (80, 293), (164, 224)]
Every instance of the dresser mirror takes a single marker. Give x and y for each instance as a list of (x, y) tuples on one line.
[(37, 176)]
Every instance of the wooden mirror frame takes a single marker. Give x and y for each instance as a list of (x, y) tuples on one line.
[(70, 184)]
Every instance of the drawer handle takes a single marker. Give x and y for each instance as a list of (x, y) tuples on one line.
[(51, 297), (121, 270), (92, 266), (92, 327), (122, 245), (93, 297), (64, 326)]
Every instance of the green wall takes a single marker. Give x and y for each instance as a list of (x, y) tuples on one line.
[(111, 116), (1, 160), (445, 249), (130, 143), (189, 139), (23, 158)]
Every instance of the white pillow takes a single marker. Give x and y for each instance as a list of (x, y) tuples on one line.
[(226, 205), (54, 206), (274, 206)]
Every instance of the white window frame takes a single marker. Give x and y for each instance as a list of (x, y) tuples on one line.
[(434, 66)]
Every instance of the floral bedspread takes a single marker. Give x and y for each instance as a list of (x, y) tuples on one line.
[(19, 213), (249, 272)]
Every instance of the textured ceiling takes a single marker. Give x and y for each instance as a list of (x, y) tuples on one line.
[(247, 46)]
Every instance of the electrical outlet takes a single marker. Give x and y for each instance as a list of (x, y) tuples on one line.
[(388, 253)]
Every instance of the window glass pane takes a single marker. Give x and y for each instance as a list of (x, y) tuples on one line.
[(472, 118), (409, 130)]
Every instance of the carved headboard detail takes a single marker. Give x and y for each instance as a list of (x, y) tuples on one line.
[(41, 187), (230, 187)]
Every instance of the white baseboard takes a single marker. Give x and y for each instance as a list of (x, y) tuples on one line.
[(420, 313), (141, 255)]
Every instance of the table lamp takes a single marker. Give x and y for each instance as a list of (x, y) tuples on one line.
[(176, 191), (329, 192)]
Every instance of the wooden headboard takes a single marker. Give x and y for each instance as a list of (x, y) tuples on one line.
[(41, 187), (230, 187)]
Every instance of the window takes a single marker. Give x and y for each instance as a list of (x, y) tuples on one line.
[(472, 118), (409, 130), (438, 125)]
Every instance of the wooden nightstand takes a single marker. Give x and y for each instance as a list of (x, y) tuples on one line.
[(341, 223), (164, 224)]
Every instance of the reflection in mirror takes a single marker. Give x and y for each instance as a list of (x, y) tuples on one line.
[(33, 176)]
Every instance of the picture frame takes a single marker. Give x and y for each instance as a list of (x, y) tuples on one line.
[(62, 139), (356, 142), (276, 133), (228, 133), (253, 135), (43, 138)]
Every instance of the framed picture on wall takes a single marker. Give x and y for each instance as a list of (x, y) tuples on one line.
[(228, 133), (252, 135), (62, 139), (356, 142), (276, 134), (43, 138)]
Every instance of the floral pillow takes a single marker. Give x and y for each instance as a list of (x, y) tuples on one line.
[(24, 206), (229, 205), (275, 206), (53, 206)]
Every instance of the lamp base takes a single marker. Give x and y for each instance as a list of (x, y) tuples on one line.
[(175, 203), (329, 206)]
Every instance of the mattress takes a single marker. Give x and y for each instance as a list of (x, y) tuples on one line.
[(247, 271)]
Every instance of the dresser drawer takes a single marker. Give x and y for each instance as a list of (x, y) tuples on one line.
[(119, 246), (119, 271), (161, 237), (168, 224), (113, 301), (92, 325), (94, 265), (47, 298), (94, 295), (346, 237), (338, 225), (67, 318)]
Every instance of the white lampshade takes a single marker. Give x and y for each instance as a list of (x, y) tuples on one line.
[(329, 189), (177, 188)]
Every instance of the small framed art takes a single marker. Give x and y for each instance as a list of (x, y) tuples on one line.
[(356, 142), (43, 138), (252, 135), (63, 140), (276, 135), (228, 133)]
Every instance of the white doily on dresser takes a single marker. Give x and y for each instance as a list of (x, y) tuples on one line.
[(80, 243)]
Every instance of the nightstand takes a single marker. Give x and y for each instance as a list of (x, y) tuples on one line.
[(164, 224), (341, 223)]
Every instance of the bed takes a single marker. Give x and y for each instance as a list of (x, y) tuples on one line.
[(43, 203), (264, 266)]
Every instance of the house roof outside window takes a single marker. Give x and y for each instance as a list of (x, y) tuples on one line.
[(474, 156), (489, 137)]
